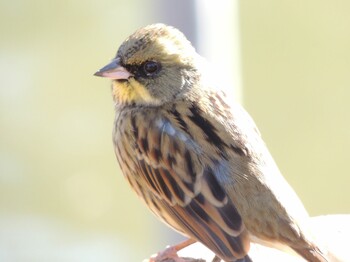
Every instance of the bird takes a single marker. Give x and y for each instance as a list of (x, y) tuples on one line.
[(194, 156)]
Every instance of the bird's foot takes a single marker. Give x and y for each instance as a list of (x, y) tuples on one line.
[(170, 253), (167, 255)]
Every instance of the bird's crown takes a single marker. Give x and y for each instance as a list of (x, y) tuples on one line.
[(152, 66)]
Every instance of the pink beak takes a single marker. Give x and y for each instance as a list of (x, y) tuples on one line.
[(114, 71)]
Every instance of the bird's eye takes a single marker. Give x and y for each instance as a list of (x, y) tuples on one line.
[(150, 68)]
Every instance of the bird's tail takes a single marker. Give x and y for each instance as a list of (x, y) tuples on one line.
[(312, 254), (244, 259)]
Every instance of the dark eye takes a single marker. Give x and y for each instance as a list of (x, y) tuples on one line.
[(151, 68)]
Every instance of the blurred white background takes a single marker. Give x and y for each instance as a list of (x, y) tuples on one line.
[(62, 197)]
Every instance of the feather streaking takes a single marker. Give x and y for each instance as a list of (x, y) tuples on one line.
[(195, 158)]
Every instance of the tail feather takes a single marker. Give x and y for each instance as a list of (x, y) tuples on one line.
[(244, 259), (311, 255)]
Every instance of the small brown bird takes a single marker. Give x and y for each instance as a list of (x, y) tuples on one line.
[(195, 158)]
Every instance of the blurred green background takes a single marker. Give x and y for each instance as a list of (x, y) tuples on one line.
[(62, 197)]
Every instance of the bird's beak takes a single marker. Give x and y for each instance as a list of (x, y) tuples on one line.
[(114, 71)]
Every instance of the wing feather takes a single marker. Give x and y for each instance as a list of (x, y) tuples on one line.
[(181, 189)]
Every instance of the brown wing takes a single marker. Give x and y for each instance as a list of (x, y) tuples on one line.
[(181, 187)]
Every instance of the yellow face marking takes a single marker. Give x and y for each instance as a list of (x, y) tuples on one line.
[(132, 91)]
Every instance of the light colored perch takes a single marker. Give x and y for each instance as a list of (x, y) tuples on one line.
[(332, 230)]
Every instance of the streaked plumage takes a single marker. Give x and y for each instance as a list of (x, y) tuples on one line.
[(194, 157)]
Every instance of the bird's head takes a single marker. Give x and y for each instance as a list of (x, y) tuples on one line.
[(152, 66)]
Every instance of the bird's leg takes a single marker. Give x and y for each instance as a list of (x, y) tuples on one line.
[(170, 253), (184, 244)]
